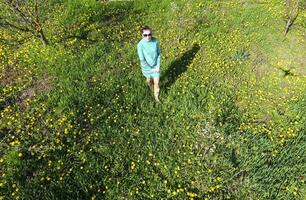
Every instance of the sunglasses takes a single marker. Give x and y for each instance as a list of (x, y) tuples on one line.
[(145, 35)]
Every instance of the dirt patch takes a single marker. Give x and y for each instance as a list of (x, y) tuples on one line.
[(260, 63), (43, 84), (16, 75), (10, 73)]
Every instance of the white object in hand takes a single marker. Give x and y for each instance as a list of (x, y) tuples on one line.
[(155, 70)]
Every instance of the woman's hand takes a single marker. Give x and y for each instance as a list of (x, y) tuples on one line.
[(155, 70)]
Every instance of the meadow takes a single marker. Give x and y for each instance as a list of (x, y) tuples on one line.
[(78, 121)]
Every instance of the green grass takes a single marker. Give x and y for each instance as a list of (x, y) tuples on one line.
[(230, 126)]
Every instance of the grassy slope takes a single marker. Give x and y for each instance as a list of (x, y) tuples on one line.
[(230, 126)]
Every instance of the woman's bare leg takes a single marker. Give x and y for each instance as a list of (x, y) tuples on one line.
[(150, 83), (156, 89)]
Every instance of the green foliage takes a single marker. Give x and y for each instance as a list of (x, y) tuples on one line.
[(240, 55)]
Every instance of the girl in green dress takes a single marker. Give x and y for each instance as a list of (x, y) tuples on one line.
[(148, 50)]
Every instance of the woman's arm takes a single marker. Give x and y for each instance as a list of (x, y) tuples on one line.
[(142, 59), (156, 68), (158, 56)]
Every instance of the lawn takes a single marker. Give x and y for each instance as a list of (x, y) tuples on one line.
[(79, 122)]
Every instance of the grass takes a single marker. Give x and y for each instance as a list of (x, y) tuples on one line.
[(231, 126)]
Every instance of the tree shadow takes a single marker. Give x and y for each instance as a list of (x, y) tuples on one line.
[(178, 66)]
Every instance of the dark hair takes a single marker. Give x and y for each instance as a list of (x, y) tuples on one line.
[(145, 27)]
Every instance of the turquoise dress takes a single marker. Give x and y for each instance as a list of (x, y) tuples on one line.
[(149, 55)]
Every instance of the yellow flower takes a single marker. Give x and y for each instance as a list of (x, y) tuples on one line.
[(191, 194)]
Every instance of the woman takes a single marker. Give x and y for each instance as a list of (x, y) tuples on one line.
[(149, 54)]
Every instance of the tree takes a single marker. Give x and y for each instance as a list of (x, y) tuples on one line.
[(292, 12), (25, 17)]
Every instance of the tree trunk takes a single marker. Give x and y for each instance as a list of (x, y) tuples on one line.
[(291, 17), (43, 38)]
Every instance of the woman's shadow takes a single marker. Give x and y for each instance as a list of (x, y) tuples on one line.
[(178, 66)]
